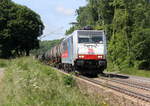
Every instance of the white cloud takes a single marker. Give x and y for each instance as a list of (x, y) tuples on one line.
[(65, 11)]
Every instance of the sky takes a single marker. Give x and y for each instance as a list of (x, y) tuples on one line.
[(55, 14)]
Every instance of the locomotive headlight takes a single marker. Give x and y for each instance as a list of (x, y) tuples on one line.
[(100, 57), (81, 56)]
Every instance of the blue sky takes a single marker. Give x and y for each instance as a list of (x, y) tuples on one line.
[(55, 14)]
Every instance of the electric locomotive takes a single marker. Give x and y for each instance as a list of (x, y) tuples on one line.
[(84, 51)]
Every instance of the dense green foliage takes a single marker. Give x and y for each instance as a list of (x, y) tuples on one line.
[(45, 46), (27, 82), (127, 24), (19, 29)]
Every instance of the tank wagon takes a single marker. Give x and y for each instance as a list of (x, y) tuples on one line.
[(83, 50)]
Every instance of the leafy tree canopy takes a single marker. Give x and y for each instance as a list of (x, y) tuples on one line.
[(20, 28), (127, 23)]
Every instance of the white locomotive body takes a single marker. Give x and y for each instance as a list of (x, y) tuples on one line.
[(85, 50)]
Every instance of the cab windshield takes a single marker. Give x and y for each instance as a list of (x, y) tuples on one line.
[(90, 39)]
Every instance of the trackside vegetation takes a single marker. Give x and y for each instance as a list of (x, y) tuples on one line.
[(27, 82), (132, 71), (127, 26), (3, 63), (129, 71)]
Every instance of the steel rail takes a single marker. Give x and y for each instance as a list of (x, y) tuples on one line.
[(140, 96), (131, 84), (119, 89)]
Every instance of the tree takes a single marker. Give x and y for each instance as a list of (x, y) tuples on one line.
[(127, 23), (20, 28)]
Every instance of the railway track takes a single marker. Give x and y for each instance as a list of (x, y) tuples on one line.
[(106, 82), (126, 91), (130, 83)]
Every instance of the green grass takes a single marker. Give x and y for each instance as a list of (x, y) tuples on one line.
[(3, 63), (27, 82), (135, 72), (128, 71)]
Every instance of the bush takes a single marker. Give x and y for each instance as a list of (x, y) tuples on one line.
[(69, 80)]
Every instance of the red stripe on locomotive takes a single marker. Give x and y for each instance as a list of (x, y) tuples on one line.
[(91, 57), (65, 54)]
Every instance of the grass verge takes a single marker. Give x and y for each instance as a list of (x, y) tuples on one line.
[(128, 71), (27, 82), (135, 72), (4, 63)]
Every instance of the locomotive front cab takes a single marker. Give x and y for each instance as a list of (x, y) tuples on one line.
[(91, 52)]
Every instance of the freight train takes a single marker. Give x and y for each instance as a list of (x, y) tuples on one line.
[(83, 51)]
